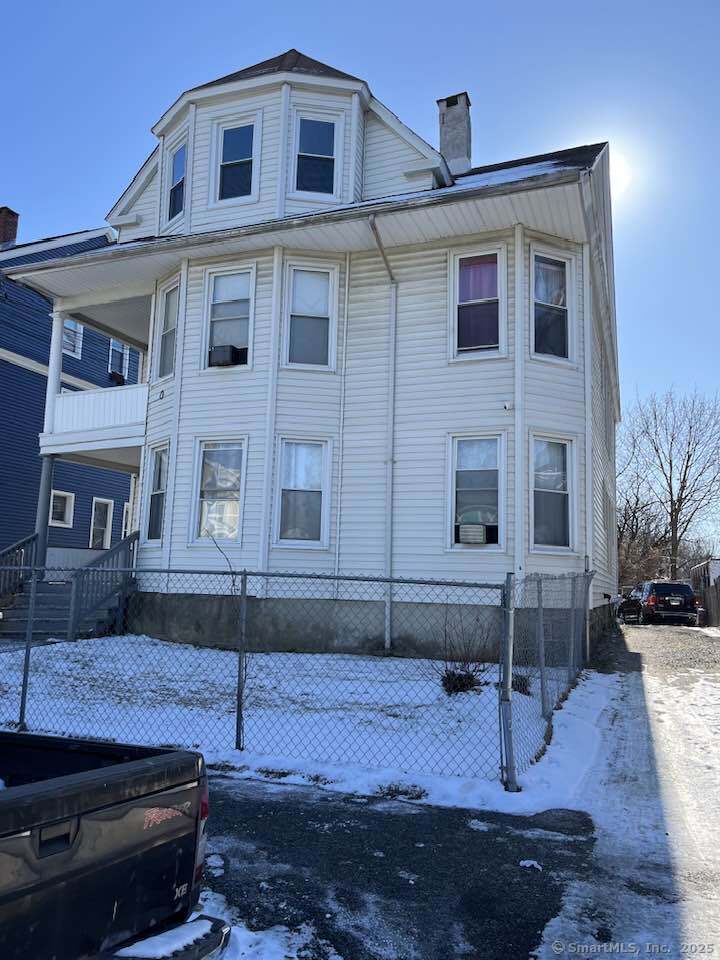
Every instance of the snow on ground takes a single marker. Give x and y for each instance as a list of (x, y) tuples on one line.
[(352, 724), (165, 944)]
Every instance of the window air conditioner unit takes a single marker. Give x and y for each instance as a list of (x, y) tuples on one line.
[(227, 356), (472, 533)]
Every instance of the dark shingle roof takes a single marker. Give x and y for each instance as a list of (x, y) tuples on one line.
[(55, 253), (292, 61), (581, 157)]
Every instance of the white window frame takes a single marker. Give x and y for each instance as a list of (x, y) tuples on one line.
[(125, 530), (77, 352), (181, 139), (219, 126), (241, 440), (149, 471), (454, 258), (245, 266), (163, 290), (70, 509), (107, 540), (324, 542), (325, 116), (572, 444), (125, 353), (451, 456), (333, 269), (571, 291)]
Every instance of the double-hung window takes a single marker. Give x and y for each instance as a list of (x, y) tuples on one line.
[(72, 338), (229, 318), (477, 306), (315, 169), (236, 161), (221, 464), (158, 488), (101, 523), (118, 358), (476, 491), (62, 508), (166, 344), (310, 328), (302, 494), (551, 493), (550, 295), (176, 199)]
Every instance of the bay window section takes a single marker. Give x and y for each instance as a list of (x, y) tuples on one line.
[(316, 156), (166, 362), (551, 494), (476, 509), (302, 471), (158, 488), (229, 338), (551, 333), (478, 304), (176, 200), (221, 466), (309, 324), (236, 162)]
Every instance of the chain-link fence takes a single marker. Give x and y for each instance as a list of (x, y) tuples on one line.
[(406, 675)]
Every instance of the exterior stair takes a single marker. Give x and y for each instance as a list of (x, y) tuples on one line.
[(52, 614)]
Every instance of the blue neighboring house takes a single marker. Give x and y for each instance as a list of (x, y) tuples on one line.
[(90, 506)]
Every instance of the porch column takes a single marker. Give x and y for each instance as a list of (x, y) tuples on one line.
[(54, 371), (42, 516)]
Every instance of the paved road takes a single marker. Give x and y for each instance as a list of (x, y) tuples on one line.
[(386, 879)]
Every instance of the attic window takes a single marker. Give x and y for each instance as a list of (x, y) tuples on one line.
[(177, 183), (236, 163), (316, 156)]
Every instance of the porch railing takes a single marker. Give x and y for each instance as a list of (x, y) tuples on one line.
[(12, 561), (106, 578)]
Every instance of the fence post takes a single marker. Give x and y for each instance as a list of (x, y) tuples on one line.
[(506, 685), (388, 614), (242, 667), (73, 610), (22, 725), (573, 629), (540, 637)]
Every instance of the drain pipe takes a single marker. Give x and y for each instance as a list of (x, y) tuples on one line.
[(390, 437)]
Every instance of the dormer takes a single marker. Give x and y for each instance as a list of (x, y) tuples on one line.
[(284, 137)]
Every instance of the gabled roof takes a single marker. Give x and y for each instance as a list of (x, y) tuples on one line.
[(581, 157), (292, 61)]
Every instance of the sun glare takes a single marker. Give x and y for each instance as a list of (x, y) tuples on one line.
[(620, 172)]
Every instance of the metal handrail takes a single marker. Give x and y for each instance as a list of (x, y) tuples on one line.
[(104, 577), (20, 554)]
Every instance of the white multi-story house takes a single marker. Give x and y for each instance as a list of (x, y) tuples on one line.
[(362, 354)]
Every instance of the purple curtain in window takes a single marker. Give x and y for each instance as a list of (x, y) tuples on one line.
[(478, 278)]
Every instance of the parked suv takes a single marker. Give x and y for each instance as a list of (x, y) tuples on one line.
[(630, 606), (666, 601)]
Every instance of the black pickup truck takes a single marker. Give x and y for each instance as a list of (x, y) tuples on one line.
[(102, 847)]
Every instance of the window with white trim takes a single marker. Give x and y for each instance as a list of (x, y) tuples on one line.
[(168, 330), (62, 508), (310, 327), (229, 318), (315, 163), (118, 357), (158, 490), (551, 332), (125, 521), (303, 497), (176, 196), (72, 338), (236, 161), (476, 491), (101, 523), (220, 489), (551, 493), (477, 307)]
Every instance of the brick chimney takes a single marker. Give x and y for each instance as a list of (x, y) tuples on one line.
[(455, 132), (8, 227)]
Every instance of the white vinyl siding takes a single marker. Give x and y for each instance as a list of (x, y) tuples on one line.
[(387, 157), (145, 208)]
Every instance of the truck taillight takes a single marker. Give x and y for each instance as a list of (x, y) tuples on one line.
[(203, 814), (651, 600)]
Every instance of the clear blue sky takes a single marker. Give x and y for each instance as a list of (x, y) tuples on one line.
[(83, 83)]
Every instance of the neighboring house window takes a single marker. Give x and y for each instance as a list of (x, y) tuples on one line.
[(310, 331), (166, 363), (221, 465), (118, 358), (550, 332), (236, 162), (302, 479), (158, 487), (476, 507), (62, 508), (126, 521), (477, 307), (101, 524), (316, 156), (176, 201), (551, 493), (230, 305), (72, 338)]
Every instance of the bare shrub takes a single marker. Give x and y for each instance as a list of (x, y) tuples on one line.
[(464, 641)]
